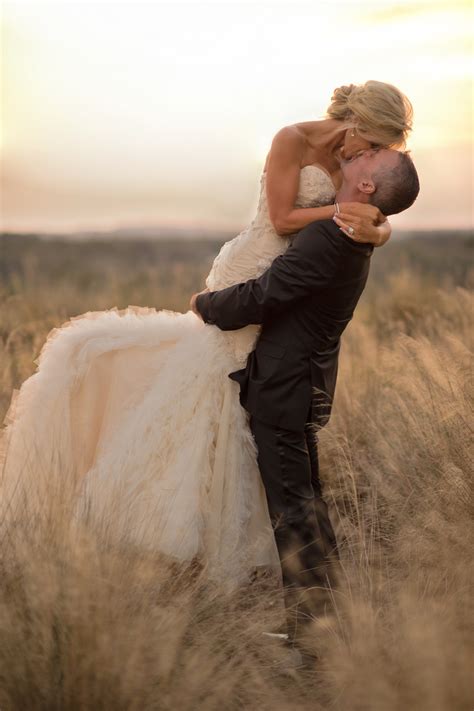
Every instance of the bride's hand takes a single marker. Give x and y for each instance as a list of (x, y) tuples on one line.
[(363, 223)]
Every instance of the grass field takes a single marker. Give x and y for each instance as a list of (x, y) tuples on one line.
[(88, 627)]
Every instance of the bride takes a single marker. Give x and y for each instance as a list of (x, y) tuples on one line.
[(131, 412)]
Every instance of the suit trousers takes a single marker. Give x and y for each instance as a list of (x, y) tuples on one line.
[(288, 463)]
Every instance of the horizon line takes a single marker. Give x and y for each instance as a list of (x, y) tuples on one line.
[(158, 233)]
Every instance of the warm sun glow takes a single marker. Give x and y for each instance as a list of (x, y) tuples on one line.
[(162, 113)]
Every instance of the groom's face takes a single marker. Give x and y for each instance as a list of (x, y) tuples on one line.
[(363, 166)]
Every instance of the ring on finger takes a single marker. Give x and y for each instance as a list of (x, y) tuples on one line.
[(350, 230)]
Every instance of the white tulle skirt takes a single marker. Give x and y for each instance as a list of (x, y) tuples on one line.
[(131, 418)]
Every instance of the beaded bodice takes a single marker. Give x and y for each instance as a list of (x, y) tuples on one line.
[(249, 254)]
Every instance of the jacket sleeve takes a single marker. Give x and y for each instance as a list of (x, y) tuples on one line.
[(308, 265)]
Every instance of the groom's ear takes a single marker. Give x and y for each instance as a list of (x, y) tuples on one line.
[(366, 186)]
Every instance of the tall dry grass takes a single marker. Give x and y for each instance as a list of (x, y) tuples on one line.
[(397, 460), (85, 626)]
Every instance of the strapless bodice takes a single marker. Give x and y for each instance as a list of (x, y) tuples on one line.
[(253, 250)]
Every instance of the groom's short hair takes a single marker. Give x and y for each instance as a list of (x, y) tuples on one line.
[(396, 188)]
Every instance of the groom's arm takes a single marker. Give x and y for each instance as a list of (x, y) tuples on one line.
[(308, 265)]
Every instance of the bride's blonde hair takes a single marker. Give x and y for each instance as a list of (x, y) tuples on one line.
[(380, 112)]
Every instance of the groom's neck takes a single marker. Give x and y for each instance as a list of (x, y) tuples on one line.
[(349, 193)]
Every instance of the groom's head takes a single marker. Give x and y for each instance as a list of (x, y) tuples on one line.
[(382, 177)]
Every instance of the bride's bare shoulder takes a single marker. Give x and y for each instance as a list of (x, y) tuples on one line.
[(289, 139), (290, 134)]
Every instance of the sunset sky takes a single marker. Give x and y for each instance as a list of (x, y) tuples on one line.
[(138, 114)]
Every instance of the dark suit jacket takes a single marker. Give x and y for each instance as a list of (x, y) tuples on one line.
[(304, 301)]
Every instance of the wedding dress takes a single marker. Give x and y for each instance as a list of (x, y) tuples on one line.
[(132, 411)]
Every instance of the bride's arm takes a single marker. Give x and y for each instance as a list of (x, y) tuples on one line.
[(282, 182)]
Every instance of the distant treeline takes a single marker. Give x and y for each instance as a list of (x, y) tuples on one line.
[(441, 256), (168, 270)]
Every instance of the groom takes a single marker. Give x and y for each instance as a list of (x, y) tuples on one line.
[(304, 301)]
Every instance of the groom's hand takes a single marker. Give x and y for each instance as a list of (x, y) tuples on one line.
[(192, 302)]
